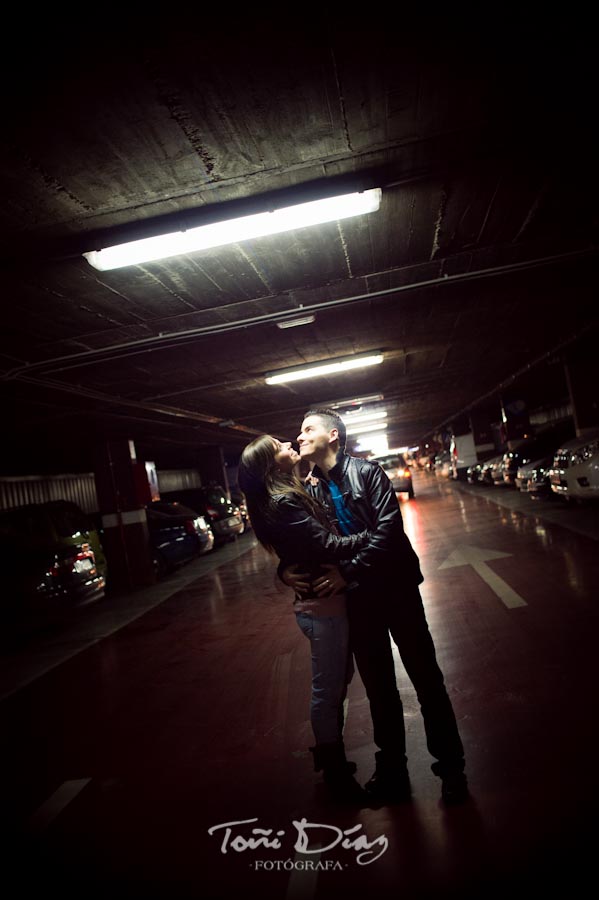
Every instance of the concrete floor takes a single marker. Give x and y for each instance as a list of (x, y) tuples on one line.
[(150, 719)]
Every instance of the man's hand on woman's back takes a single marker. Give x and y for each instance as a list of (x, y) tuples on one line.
[(294, 578)]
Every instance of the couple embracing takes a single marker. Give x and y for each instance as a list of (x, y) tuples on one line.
[(342, 548)]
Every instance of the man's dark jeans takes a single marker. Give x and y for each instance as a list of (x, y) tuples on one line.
[(373, 614)]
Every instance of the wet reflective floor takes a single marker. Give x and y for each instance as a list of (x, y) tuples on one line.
[(140, 764)]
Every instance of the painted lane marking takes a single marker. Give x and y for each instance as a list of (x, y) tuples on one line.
[(476, 557), (55, 804), (302, 883)]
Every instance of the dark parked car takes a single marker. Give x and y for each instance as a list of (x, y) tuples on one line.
[(212, 503), (177, 535), (473, 473), (238, 498), (51, 559)]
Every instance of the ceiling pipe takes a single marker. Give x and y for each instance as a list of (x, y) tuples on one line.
[(165, 341), (205, 421)]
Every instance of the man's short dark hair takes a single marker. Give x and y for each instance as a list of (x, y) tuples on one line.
[(330, 419)]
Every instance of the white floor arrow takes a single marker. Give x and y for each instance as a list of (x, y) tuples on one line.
[(55, 804), (476, 557)]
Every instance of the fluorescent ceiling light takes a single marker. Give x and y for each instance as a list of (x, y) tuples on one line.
[(331, 367), (232, 231), (351, 419), (377, 444), (362, 429), (293, 323), (355, 401)]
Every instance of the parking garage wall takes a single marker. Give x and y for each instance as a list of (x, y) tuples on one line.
[(24, 489), (19, 490), (178, 480), (552, 414)]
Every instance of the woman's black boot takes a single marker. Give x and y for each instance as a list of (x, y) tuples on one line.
[(338, 774)]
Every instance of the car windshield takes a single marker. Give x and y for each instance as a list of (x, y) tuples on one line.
[(173, 509), (392, 462), (68, 520), (215, 495)]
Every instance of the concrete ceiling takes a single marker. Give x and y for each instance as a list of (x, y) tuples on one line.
[(480, 261)]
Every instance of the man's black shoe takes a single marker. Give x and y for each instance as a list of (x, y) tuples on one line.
[(389, 787), (454, 788), (344, 789)]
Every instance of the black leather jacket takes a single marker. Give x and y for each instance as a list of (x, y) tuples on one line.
[(369, 497), (300, 538)]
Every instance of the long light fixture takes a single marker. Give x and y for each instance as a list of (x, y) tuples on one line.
[(376, 444), (362, 429), (352, 418), (330, 367), (293, 323), (354, 401), (231, 231)]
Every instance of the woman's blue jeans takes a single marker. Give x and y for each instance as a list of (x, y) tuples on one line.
[(332, 670)]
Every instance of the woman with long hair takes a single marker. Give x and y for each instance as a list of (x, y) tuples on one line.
[(290, 523)]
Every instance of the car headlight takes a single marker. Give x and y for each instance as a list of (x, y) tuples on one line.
[(585, 453)]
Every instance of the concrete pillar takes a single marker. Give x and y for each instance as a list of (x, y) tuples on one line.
[(123, 493), (212, 467)]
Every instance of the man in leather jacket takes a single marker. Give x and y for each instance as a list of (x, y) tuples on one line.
[(383, 599)]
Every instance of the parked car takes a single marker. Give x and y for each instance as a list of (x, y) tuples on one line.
[(487, 468), (212, 502), (544, 443), (238, 498), (443, 464), (398, 472), (51, 559), (575, 470), (497, 469), (177, 535), (533, 478), (523, 475), (473, 473)]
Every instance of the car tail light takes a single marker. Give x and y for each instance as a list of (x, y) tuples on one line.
[(82, 560), (406, 473), (212, 512), (189, 526), (60, 567)]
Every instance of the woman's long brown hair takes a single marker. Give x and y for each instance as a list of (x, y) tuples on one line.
[(260, 479)]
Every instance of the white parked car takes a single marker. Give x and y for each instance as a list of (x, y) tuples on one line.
[(524, 474), (533, 478), (575, 471)]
